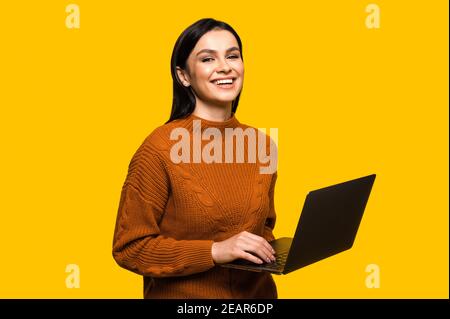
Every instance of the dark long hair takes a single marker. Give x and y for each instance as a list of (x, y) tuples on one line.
[(183, 102)]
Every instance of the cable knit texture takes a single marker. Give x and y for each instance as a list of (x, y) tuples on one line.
[(170, 214)]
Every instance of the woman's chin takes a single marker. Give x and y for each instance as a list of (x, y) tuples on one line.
[(224, 97), (223, 102)]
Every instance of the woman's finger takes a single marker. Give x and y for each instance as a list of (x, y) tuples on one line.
[(251, 246), (250, 257), (260, 239), (259, 245)]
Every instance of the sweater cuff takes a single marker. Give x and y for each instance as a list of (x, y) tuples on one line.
[(201, 254)]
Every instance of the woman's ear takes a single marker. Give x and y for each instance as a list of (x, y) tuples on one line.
[(182, 75)]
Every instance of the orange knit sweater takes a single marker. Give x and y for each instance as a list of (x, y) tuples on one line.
[(170, 214)]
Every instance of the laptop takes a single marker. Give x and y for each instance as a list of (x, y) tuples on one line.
[(327, 226)]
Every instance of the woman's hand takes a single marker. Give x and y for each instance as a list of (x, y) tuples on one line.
[(241, 246)]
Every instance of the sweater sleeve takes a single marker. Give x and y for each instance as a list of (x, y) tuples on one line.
[(137, 244), (271, 218)]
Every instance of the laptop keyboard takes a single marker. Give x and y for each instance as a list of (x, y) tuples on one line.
[(277, 264), (280, 261)]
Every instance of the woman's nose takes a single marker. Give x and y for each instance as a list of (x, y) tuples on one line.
[(224, 66)]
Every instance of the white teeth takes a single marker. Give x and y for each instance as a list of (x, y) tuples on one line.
[(227, 81)]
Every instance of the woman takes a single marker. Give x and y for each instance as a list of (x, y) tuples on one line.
[(179, 218)]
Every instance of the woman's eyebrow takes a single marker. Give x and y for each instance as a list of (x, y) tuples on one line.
[(214, 51)]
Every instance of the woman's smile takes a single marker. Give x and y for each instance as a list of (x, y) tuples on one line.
[(227, 83)]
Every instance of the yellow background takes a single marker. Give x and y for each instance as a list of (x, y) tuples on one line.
[(348, 101)]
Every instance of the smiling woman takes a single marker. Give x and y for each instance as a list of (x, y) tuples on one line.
[(213, 74), (179, 220)]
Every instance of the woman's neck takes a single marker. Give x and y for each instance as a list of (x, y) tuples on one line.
[(212, 113)]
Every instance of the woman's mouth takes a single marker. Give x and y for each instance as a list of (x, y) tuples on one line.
[(225, 84)]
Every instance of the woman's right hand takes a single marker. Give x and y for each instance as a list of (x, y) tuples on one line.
[(242, 246)]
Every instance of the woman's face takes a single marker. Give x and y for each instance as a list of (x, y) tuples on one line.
[(215, 56)]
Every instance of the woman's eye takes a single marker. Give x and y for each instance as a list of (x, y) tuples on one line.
[(230, 56)]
